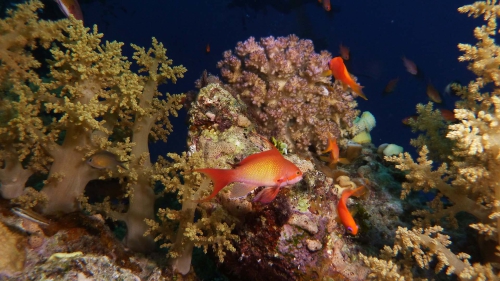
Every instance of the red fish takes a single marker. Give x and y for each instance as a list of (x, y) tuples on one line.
[(391, 85), (70, 7), (326, 5), (411, 67), (268, 168), (344, 52), (406, 120), (339, 71), (207, 49), (344, 214), (433, 94), (448, 115)]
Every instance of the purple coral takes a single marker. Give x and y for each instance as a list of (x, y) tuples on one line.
[(282, 82)]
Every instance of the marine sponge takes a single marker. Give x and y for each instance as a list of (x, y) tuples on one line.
[(366, 122)]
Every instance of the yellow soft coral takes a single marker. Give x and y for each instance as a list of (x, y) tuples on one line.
[(469, 179), (90, 101)]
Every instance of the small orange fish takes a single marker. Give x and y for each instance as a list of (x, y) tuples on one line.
[(433, 94), (344, 52), (326, 5), (339, 71), (411, 67), (448, 115), (406, 120), (334, 150), (207, 49), (344, 214), (104, 160), (70, 7), (268, 168), (391, 85)]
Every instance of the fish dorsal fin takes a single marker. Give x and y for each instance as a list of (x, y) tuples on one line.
[(241, 189), (273, 152)]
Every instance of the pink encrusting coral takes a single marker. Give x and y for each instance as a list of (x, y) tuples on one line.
[(281, 80)]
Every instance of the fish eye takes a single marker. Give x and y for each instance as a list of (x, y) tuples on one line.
[(298, 172), (90, 160)]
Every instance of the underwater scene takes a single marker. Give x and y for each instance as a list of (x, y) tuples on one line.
[(249, 140)]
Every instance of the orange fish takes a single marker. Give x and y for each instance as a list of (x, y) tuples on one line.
[(326, 5), (207, 49), (411, 67), (433, 94), (339, 71), (344, 52), (70, 7), (391, 85), (406, 120), (448, 115), (333, 148), (105, 160), (344, 214), (268, 168)]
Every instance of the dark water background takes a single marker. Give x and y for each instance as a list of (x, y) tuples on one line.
[(378, 34)]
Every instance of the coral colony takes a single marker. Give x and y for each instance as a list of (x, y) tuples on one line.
[(74, 133)]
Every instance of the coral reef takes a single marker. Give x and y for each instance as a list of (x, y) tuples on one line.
[(84, 99), (281, 81), (295, 237), (467, 182), (75, 247), (433, 130), (89, 101)]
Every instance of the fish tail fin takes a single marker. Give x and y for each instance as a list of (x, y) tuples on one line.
[(220, 177), (267, 194), (359, 191), (353, 192), (122, 164), (358, 89)]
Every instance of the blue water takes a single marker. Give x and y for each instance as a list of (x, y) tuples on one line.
[(378, 34)]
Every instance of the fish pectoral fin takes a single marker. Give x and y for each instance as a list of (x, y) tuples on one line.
[(241, 190), (338, 220), (267, 194), (324, 158), (344, 161)]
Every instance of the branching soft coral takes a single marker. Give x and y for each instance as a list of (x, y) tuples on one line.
[(425, 247), (470, 181), (21, 130), (178, 229), (434, 129), (90, 101)]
